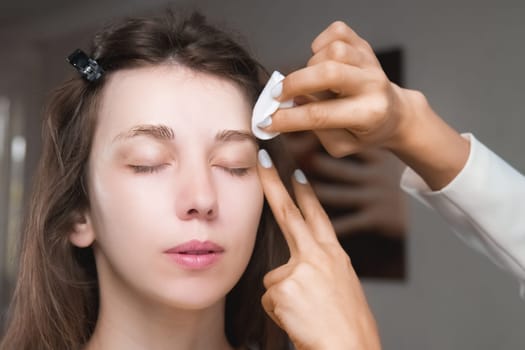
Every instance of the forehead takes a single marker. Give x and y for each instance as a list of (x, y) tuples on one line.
[(172, 95)]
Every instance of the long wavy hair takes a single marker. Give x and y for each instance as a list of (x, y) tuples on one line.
[(55, 301)]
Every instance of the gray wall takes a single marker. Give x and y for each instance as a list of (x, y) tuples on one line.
[(467, 57)]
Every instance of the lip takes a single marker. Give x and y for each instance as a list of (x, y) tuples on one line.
[(196, 255)]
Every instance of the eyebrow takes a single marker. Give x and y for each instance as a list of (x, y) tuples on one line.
[(165, 133), (235, 135), (160, 132)]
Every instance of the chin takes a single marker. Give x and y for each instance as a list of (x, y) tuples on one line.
[(195, 295)]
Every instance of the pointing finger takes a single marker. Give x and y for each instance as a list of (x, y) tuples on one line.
[(285, 211), (332, 76)]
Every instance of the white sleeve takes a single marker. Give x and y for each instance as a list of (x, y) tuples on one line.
[(484, 204)]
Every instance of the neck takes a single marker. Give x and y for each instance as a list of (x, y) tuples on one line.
[(126, 323)]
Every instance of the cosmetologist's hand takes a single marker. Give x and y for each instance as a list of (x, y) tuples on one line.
[(363, 108), (345, 97), (316, 296)]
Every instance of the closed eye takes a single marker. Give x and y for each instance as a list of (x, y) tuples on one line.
[(147, 169), (236, 171)]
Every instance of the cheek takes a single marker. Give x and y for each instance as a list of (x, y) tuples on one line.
[(242, 209), (242, 212), (122, 206)]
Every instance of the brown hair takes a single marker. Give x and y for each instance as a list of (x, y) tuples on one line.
[(55, 302)]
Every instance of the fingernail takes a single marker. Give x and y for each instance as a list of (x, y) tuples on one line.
[(264, 159), (300, 177), (277, 90), (265, 122)]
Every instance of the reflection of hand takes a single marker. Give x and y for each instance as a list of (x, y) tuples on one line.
[(363, 192), (316, 296)]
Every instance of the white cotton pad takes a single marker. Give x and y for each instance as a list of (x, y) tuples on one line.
[(266, 105)]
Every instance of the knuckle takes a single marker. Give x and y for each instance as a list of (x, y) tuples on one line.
[(339, 28), (383, 83), (365, 45), (377, 81), (316, 116), (381, 105), (302, 269), (418, 97), (267, 281), (290, 84), (265, 300), (377, 111), (341, 150), (336, 254), (336, 152), (286, 289), (312, 46), (337, 50), (330, 71), (341, 256), (335, 149), (319, 216), (289, 211), (313, 60), (347, 261)]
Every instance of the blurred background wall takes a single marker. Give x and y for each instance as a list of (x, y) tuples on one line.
[(466, 56)]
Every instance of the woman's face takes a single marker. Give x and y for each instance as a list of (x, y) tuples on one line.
[(175, 200)]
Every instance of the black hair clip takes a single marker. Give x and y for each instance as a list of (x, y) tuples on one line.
[(86, 66)]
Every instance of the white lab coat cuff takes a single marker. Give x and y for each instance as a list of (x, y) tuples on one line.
[(484, 203)]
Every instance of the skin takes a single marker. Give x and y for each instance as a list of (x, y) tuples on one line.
[(364, 109), (149, 192), (334, 314), (154, 188), (345, 98)]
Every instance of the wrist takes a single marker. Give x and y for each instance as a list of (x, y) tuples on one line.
[(414, 115), (362, 335), (427, 144)]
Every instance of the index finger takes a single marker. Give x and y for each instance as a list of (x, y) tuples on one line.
[(338, 78), (286, 213)]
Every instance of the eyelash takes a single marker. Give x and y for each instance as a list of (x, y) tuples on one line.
[(236, 171), (146, 169)]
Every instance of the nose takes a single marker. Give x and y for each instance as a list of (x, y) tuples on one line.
[(197, 197)]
